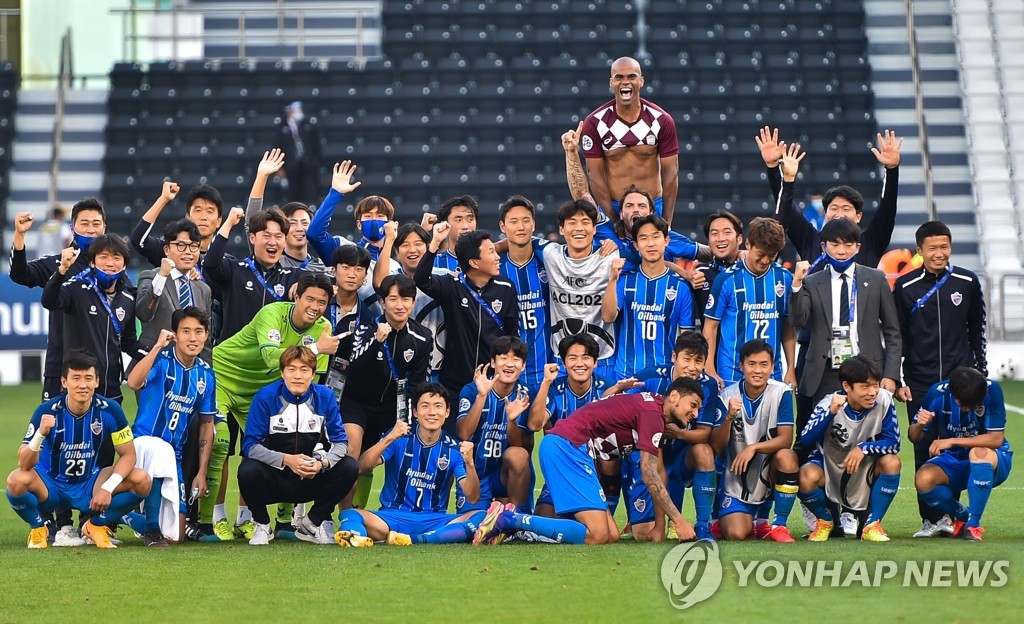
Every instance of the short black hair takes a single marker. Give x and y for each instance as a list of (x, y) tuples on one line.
[(509, 344), (260, 221), (685, 386), (651, 219), (172, 229), (755, 346), (432, 388), (569, 210), (454, 202), (841, 230), (737, 223), (109, 242), (859, 369), (314, 280), (292, 207), (407, 230), (89, 203), (968, 386), (79, 360), (589, 344), (932, 228), (352, 255), (512, 202), (691, 341), (468, 247), (848, 193), (190, 312), (207, 192), (405, 284)]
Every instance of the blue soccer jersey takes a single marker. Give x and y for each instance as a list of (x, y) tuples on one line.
[(679, 247), (531, 282), (657, 380), (952, 422), (446, 260), (419, 477), (748, 307), (562, 400), (652, 310), (172, 397), (491, 436), (70, 452)]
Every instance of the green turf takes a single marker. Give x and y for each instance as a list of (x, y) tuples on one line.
[(514, 583)]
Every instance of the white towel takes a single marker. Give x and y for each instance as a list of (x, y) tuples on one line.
[(156, 457)]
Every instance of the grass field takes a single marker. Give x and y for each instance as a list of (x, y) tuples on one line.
[(513, 583)]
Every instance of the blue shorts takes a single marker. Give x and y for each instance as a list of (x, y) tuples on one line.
[(571, 477), (679, 476), (658, 207), (491, 488), (182, 490), (414, 522), (75, 496), (959, 470), (639, 504), (732, 505)]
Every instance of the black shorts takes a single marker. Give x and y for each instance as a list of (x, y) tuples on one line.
[(375, 420)]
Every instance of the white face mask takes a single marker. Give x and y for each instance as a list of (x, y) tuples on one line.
[(298, 117)]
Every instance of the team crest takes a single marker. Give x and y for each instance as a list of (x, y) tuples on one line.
[(201, 386), (279, 289), (31, 431), (307, 340), (588, 143), (407, 354), (780, 289), (464, 405), (460, 502), (640, 505), (311, 423), (274, 335), (670, 294), (497, 306), (442, 462), (656, 440), (711, 302), (956, 298), (119, 313), (96, 427), (542, 275), (651, 139)]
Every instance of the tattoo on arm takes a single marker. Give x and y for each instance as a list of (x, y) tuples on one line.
[(578, 186), (651, 478)]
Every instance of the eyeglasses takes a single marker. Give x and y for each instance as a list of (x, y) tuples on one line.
[(182, 246)]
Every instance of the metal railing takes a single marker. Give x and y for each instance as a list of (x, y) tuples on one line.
[(922, 126), (300, 36), (64, 80), (5, 15)]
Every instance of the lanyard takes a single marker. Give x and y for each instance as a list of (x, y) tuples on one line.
[(259, 277), (306, 262), (817, 261), (387, 352), (483, 304), (934, 289), (106, 305)]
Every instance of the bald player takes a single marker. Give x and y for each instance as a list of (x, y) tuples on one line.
[(631, 142)]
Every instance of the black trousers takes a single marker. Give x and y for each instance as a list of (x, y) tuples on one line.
[(921, 455), (261, 485)]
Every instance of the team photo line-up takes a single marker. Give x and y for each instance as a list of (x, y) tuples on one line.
[(648, 362)]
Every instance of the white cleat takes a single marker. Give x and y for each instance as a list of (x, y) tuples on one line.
[(67, 536), (849, 524), (928, 529), (261, 535)]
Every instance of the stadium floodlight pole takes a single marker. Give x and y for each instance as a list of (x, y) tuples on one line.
[(641, 30)]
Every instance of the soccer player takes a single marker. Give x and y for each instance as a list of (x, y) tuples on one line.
[(750, 301), (204, 208), (461, 214), (971, 451), (603, 429), (756, 434), (58, 458), (287, 420), (488, 410), (649, 306), (628, 141), (421, 463), (175, 388), (724, 232), (371, 213), (857, 439)]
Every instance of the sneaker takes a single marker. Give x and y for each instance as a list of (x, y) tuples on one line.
[(193, 532), (99, 535), (155, 538), (822, 529), (306, 531), (849, 523), (779, 533), (488, 527), (973, 533), (37, 537), (348, 539), (398, 539), (244, 530), (809, 518), (500, 537), (873, 532), (945, 525), (261, 535), (66, 536), (703, 532), (284, 532), (761, 530)]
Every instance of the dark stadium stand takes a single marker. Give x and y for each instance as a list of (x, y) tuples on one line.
[(8, 107), (473, 95)]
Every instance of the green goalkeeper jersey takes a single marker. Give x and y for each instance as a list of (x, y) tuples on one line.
[(250, 359)]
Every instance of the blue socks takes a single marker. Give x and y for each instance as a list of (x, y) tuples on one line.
[(815, 501), (882, 493), (453, 533), (785, 495), (704, 494), (564, 531), (135, 521), (27, 507), (941, 499), (152, 507), (350, 520), (979, 487), (120, 504)]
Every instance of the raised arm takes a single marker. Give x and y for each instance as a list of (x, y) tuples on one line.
[(318, 232), (574, 173), (55, 296), (382, 267), (151, 247), (879, 233), (140, 374), (216, 266), (610, 302)]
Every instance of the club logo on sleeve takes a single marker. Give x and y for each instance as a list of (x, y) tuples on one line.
[(464, 405), (442, 462), (588, 143), (956, 298), (711, 303), (656, 439), (780, 289), (274, 335), (31, 431), (407, 354)]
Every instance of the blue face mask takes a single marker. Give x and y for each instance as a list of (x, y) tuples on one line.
[(83, 242), (817, 205), (372, 229), (105, 280), (840, 265)]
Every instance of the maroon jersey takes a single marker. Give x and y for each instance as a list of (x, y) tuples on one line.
[(615, 426), (603, 131)]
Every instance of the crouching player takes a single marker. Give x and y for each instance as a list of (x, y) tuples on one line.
[(857, 440), (604, 429), (420, 466), (971, 452), (757, 436), (286, 421), (57, 461)]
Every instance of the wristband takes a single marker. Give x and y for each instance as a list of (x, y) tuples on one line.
[(112, 482), (313, 348), (36, 444)]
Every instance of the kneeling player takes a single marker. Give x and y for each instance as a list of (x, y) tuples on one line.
[(857, 441), (971, 452), (420, 470), (757, 435), (57, 461)]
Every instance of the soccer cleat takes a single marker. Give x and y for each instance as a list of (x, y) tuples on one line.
[(99, 535), (285, 532), (973, 533), (155, 538), (958, 528), (809, 518), (488, 526), (193, 531), (822, 529), (37, 537), (849, 523), (51, 529), (779, 533), (306, 531), (670, 532), (703, 532), (944, 525), (221, 532), (244, 530), (627, 532), (716, 529), (348, 539), (873, 532), (761, 530), (66, 536), (261, 535), (500, 537), (398, 539)]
